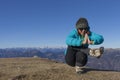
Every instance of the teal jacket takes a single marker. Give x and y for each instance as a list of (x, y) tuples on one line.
[(74, 39)]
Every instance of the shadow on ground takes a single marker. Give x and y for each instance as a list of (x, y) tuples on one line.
[(85, 70)]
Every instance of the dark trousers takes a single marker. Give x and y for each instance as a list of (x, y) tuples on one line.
[(76, 56)]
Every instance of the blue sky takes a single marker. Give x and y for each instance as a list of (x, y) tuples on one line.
[(41, 23)]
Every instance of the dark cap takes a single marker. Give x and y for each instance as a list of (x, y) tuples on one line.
[(82, 23)]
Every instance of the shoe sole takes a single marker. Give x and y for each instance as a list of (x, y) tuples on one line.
[(101, 50)]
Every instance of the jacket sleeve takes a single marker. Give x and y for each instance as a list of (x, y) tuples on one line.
[(73, 39), (96, 38)]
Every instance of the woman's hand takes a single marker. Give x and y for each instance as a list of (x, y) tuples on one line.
[(90, 42), (87, 40)]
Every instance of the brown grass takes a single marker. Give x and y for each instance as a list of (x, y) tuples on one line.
[(44, 69)]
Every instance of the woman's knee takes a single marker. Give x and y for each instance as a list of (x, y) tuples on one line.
[(70, 61), (81, 59), (70, 57)]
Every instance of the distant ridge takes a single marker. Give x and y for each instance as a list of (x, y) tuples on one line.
[(110, 60)]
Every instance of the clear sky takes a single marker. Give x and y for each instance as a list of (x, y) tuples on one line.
[(41, 23)]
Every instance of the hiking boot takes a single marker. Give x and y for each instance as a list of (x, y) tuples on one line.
[(78, 70), (97, 52)]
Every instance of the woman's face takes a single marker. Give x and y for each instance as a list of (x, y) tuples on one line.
[(83, 31)]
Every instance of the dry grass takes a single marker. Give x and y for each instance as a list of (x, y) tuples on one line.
[(43, 69)]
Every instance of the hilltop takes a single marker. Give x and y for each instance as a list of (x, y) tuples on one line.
[(110, 60), (44, 69)]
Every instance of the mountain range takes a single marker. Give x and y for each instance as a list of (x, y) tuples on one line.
[(110, 60)]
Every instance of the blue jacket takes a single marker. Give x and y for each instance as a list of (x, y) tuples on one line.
[(74, 39)]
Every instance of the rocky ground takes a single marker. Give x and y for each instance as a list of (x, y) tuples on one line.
[(44, 69)]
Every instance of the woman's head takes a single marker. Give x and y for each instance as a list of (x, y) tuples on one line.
[(82, 26), (82, 23)]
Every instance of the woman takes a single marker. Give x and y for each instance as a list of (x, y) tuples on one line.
[(78, 41)]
